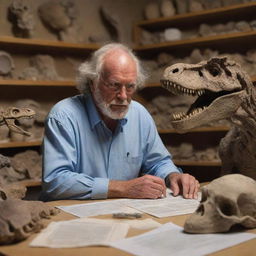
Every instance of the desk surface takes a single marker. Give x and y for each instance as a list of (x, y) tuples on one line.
[(22, 249)]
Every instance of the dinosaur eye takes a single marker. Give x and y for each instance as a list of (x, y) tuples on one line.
[(214, 71), (175, 70), (15, 111)]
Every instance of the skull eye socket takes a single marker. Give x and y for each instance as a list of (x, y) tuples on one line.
[(200, 209), (226, 206), (15, 111), (204, 195)]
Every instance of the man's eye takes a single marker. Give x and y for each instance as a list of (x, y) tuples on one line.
[(130, 86), (116, 85)]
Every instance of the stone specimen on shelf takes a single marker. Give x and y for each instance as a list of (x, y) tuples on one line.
[(182, 6), (112, 22), (9, 175), (227, 201), (151, 10), (195, 6), (172, 34), (29, 73), (22, 17), (167, 9), (42, 67), (29, 163), (19, 219), (253, 24), (243, 26), (148, 37), (230, 95), (45, 65), (186, 152), (204, 30), (210, 4), (59, 16), (6, 64), (12, 190), (4, 161)]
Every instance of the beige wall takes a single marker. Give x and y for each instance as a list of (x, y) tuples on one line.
[(88, 19)]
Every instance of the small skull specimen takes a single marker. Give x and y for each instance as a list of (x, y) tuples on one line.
[(226, 201), (19, 219), (21, 14), (6, 63)]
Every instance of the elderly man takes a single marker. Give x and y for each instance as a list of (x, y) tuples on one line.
[(102, 144)]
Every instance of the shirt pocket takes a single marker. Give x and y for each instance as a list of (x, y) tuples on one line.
[(132, 165)]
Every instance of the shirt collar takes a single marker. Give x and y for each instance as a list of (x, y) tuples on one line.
[(93, 115)]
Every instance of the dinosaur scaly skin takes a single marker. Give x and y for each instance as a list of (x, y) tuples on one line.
[(224, 91), (11, 117)]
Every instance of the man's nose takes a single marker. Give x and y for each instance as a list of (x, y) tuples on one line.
[(122, 94)]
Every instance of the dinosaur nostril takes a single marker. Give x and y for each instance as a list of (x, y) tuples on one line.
[(175, 70)]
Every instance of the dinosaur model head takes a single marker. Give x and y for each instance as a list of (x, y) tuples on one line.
[(220, 87), (11, 117)]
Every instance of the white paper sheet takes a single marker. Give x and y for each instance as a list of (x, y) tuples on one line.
[(98, 208), (169, 239), (134, 223), (79, 233), (165, 207)]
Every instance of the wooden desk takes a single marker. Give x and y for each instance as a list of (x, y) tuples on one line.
[(22, 249)]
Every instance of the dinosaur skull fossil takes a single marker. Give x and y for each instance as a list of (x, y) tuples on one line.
[(226, 201), (19, 219), (218, 85), (12, 116)]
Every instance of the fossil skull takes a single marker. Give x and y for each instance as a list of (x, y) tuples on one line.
[(19, 219), (226, 201)]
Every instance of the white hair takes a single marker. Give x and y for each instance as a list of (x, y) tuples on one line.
[(90, 70)]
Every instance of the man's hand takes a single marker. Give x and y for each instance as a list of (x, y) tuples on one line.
[(147, 186), (184, 184)]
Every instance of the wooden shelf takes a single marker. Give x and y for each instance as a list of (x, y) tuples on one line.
[(197, 163), (30, 183), (202, 129), (64, 83), (195, 17), (21, 144), (231, 38), (37, 45)]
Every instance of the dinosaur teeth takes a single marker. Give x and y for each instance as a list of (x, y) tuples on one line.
[(182, 115), (178, 89)]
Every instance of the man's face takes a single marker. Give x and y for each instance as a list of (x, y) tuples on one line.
[(114, 90)]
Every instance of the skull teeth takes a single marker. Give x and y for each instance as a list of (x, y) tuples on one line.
[(182, 115), (177, 89)]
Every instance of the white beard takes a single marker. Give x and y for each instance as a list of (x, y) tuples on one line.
[(105, 107)]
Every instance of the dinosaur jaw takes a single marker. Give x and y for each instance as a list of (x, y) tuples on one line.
[(11, 123), (208, 107)]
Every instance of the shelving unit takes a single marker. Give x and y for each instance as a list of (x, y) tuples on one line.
[(45, 46), (53, 90), (225, 43)]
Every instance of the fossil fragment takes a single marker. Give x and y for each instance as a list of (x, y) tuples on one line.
[(21, 14), (19, 219), (226, 201), (6, 63), (59, 16), (12, 115)]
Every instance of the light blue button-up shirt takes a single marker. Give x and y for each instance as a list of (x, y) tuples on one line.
[(81, 155)]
